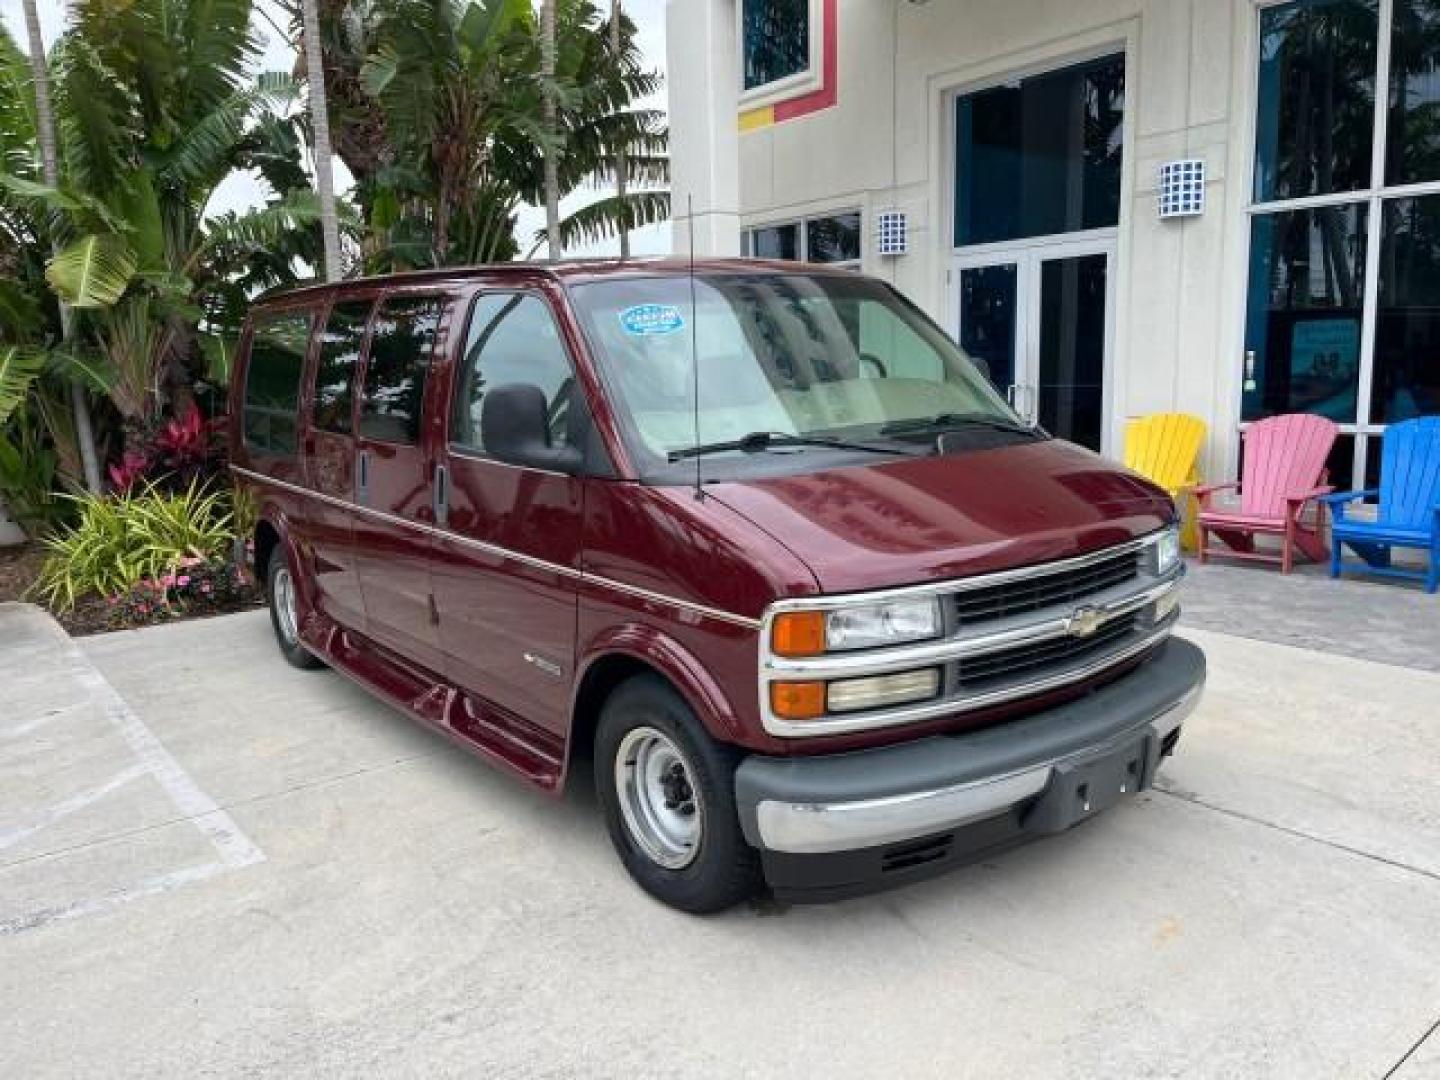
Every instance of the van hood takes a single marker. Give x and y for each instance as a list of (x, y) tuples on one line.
[(915, 520)]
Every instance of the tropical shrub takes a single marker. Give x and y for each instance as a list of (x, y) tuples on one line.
[(194, 587), (174, 455), (119, 541)]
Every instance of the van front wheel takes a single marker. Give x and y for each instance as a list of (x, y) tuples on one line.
[(667, 791)]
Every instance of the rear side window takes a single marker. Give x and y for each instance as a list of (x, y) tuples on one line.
[(272, 382), (513, 338), (335, 370), (401, 342)]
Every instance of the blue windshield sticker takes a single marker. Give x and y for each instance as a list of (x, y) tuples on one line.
[(647, 320)]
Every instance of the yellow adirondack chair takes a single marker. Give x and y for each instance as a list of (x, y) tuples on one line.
[(1165, 448)]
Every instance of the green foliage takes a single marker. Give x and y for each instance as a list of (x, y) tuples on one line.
[(436, 109), (92, 272), (117, 541), (20, 366), (28, 469)]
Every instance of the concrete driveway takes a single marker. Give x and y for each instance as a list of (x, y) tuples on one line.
[(212, 864)]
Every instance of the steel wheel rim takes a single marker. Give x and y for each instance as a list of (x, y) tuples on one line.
[(285, 606), (662, 810)]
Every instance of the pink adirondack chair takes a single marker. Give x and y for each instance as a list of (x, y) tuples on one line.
[(1284, 470)]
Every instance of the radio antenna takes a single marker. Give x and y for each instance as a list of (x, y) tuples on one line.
[(694, 342)]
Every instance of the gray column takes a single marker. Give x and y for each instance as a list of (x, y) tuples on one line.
[(703, 77)]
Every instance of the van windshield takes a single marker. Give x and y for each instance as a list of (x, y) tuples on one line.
[(829, 357)]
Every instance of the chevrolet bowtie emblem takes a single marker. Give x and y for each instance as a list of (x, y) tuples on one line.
[(1084, 621)]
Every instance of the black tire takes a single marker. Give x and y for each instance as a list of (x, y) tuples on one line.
[(288, 640), (722, 869)]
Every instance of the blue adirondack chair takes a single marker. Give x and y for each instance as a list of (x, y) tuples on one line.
[(1409, 511)]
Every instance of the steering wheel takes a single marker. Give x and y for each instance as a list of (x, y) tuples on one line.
[(875, 362)]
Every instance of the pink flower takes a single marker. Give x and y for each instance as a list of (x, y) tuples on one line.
[(205, 588), (168, 580), (183, 580)]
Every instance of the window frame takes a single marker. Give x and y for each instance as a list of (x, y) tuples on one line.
[(1374, 196), (443, 300), (791, 86), (317, 332), (457, 376), (307, 309), (747, 239)]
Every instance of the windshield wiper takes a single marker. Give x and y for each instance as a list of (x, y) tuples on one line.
[(757, 441), (950, 421)]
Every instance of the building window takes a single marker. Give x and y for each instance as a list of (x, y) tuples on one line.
[(1042, 155), (1343, 316), (833, 239), (778, 40)]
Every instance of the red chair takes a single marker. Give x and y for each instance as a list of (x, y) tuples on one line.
[(1284, 469)]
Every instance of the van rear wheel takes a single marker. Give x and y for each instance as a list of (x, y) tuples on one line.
[(284, 613), (668, 794)]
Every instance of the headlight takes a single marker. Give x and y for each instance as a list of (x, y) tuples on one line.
[(1167, 551), (864, 626)]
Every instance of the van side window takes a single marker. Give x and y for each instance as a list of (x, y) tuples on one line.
[(272, 381), (513, 338), (335, 369), (401, 341)]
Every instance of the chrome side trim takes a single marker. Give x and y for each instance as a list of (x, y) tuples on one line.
[(661, 598), (817, 828), (506, 553)]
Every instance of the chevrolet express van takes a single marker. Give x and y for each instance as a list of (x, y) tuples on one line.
[(759, 542)]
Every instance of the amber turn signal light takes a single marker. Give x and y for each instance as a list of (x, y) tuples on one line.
[(797, 700), (798, 633)]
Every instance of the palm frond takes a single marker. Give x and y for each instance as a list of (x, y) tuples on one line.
[(85, 366), (20, 366), (603, 218), (20, 314), (92, 272)]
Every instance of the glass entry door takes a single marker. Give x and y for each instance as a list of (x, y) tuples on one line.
[(1040, 320)]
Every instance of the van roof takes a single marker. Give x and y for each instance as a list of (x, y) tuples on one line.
[(575, 270)]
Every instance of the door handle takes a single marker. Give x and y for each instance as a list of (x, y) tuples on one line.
[(362, 478), (442, 495)]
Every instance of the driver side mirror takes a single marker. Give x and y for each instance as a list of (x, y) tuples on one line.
[(515, 429)]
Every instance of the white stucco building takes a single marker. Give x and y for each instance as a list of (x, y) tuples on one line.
[(1023, 140)]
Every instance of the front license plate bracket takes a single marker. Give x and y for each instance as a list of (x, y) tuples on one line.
[(1081, 789)]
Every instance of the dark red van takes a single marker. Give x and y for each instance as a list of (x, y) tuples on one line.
[(761, 543)]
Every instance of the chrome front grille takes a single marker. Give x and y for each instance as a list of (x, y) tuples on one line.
[(989, 670), (1033, 594), (1007, 635)]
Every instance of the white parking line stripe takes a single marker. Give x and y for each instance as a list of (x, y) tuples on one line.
[(152, 886), (65, 807), (233, 846)]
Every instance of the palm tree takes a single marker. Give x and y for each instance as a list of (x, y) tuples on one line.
[(552, 132), (320, 137), (438, 110), (156, 107), (45, 135)]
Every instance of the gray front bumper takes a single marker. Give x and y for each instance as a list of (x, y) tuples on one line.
[(870, 798)]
